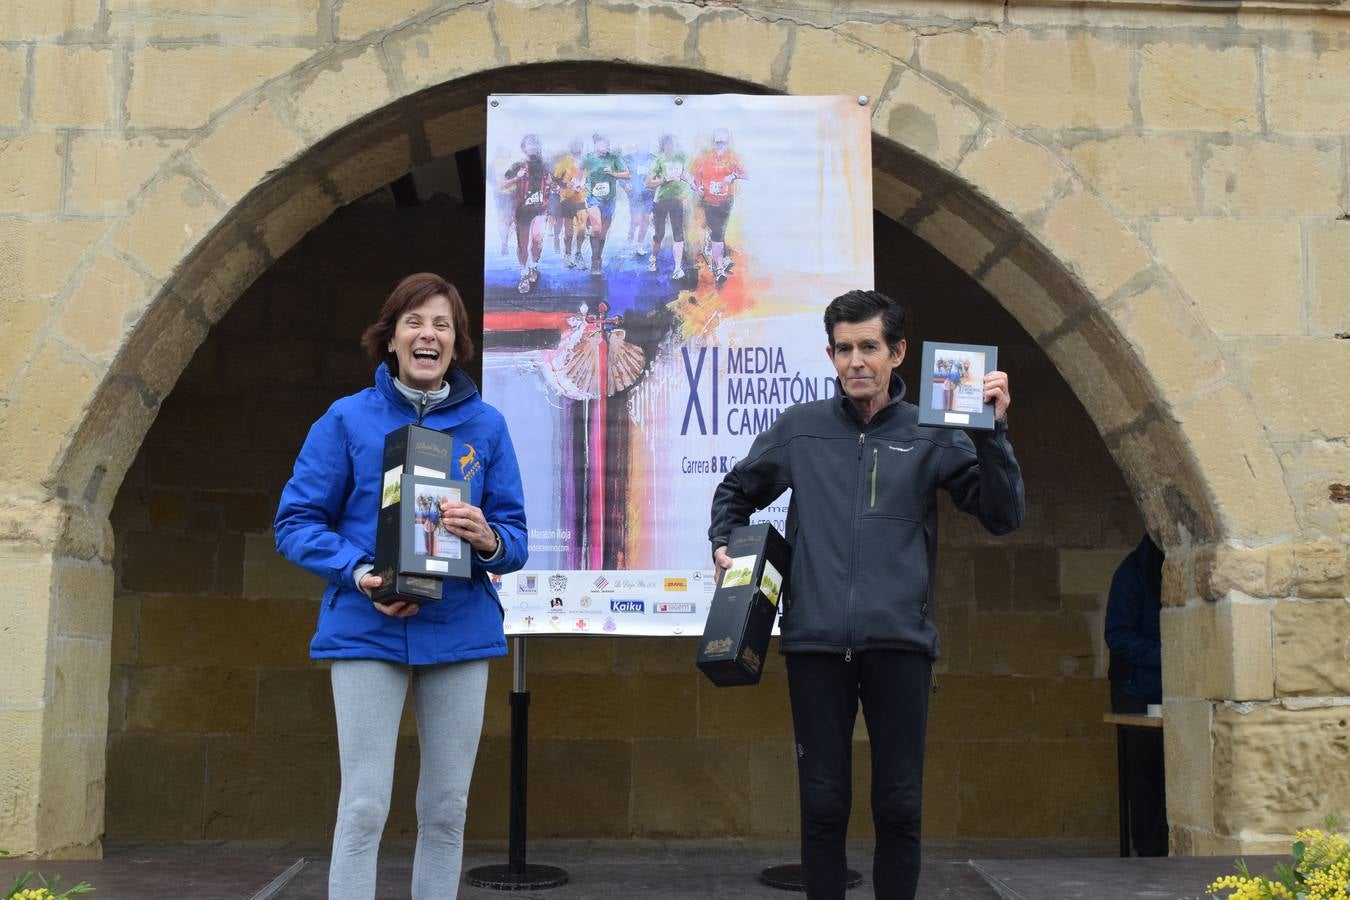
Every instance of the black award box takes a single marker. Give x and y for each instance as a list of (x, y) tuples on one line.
[(413, 551), (740, 617)]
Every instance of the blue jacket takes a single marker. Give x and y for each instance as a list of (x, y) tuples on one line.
[(1132, 628), (327, 519)]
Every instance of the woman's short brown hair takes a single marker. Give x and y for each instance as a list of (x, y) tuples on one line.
[(411, 293)]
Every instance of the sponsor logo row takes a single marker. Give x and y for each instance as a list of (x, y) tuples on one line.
[(527, 583)]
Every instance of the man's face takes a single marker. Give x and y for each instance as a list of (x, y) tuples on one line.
[(864, 362)]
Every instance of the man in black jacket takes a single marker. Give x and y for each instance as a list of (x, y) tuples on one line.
[(858, 620), (1134, 636)]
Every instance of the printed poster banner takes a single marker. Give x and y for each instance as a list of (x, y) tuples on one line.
[(655, 273)]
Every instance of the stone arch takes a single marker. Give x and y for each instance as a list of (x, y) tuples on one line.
[(1010, 211)]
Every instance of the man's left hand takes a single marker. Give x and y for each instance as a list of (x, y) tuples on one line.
[(996, 392)]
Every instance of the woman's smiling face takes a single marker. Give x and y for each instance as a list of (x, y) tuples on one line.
[(424, 342)]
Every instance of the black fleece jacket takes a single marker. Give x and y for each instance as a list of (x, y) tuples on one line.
[(862, 520)]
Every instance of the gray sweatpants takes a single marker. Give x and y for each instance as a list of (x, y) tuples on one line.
[(368, 695)]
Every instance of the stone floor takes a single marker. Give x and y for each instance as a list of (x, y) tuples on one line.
[(661, 870)]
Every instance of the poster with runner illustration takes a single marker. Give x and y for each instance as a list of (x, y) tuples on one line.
[(655, 272)]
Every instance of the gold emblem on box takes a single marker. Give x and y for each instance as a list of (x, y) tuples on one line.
[(721, 645), (750, 657)]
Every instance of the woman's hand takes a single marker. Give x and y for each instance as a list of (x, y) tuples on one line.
[(466, 521), (399, 609)]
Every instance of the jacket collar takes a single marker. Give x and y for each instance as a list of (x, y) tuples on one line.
[(461, 388), (897, 393)]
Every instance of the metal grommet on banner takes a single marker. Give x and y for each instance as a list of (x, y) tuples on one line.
[(862, 99), (495, 103), (679, 101)]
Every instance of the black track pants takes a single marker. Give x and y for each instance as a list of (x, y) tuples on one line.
[(893, 686)]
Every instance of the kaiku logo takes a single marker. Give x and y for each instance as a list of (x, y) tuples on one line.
[(557, 583), (626, 606)]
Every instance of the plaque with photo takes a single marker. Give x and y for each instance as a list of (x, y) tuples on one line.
[(428, 547), (951, 381)]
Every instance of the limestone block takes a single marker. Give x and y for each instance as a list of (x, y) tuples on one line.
[(954, 237), (1311, 468), (24, 20), (666, 705), (173, 218), (1089, 571), (737, 46), (1265, 177), (163, 562), (1094, 383), (47, 402), (1188, 748), (107, 172), (1255, 571), (702, 791), (215, 283), (13, 73), (998, 776), (656, 35), (1241, 467), (72, 87), (773, 791), (1245, 275), (244, 774), (1046, 80), (1113, 15), (444, 49), (155, 785), (745, 715), (926, 118), (1175, 345), (30, 173), (1219, 651), (1277, 770), (825, 63), (109, 296), (1142, 174), (537, 30), (72, 796), (892, 38), (598, 706), (358, 17), (293, 219), (456, 130), (1329, 260), (603, 779), (1018, 174), (1088, 236), (1197, 87), (1283, 375), (191, 700), (186, 631), (267, 574), (27, 636), (84, 599), (1023, 295), (250, 20), (1306, 91), (373, 168), (294, 701), (1023, 643), (21, 747), (339, 92), (244, 147), (1320, 570), (1312, 647), (182, 86), (79, 698), (891, 196)]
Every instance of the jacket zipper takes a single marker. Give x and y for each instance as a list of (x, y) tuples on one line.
[(852, 564), (872, 503)]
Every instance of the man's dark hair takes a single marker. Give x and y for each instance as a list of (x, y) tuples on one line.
[(860, 306)]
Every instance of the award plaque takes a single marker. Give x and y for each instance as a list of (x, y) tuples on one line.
[(951, 385), (743, 608), (413, 550)]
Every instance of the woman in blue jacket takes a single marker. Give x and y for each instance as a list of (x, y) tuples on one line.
[(326, 523)]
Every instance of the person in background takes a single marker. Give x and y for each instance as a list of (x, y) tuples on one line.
[(1133, 636), (326, 523)]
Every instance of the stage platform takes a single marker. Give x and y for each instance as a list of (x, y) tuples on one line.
[(660, 870)]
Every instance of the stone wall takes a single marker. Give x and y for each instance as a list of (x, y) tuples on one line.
[(1156, 191), (216, 706)]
